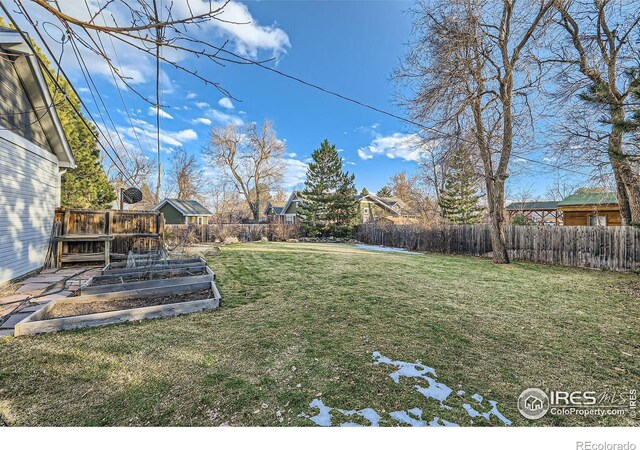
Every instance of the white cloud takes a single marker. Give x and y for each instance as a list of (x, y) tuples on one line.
[(184, 135), (294, 174), (397, 145), (290, 155), (168, 138), (202, 105), (225, 102), (165, 115), (202, 120), (237, 23), (191, 95), (224, 118)]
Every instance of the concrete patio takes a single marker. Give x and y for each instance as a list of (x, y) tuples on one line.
[(30, 294)]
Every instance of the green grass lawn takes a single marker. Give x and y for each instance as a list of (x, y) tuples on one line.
[(301, 321)]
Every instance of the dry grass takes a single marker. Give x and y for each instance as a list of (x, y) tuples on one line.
[(299, 320)]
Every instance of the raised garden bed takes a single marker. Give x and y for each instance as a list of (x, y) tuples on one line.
[(118, 307), (70, 309), (146, 275), (155, 262), (142, 278)]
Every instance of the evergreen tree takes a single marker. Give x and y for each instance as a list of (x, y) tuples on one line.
[(459, 201), (86, 186), (328, 204), (385, 191)]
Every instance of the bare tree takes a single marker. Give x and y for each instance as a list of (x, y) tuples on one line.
[(251, 158), (140, 168), (433, 170), (164, 31), (599, 60), (561, 188), (468, 74), (415, 195), (185, 176)]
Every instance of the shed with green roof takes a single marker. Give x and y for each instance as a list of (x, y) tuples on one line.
[(594, 208)]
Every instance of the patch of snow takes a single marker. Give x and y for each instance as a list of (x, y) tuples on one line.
[(487, 415), (435, 390), (380, 248), (405, 369), (411, 417), (368, 413), (323, 418)]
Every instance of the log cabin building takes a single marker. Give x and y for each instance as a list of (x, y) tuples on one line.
[(594, 209)]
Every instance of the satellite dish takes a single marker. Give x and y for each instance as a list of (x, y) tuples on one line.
[(132, 195)]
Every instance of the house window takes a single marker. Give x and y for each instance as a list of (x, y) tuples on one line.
[(199, 220), (598, 221), (289, 219)]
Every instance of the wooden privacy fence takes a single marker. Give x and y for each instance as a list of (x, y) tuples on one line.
[(244, 232), (610, 248), (81, 235)]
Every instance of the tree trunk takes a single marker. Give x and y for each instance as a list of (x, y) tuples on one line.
[(623, 199), (627, 182), (254, 207), (495, 199)]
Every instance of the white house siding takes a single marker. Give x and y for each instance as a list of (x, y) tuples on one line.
[(29, 194)]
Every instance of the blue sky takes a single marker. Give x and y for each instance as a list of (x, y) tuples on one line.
[(350, 47)]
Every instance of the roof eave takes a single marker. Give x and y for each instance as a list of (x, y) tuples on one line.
[(60, 145)]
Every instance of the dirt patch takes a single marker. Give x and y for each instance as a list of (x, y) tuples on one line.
[(146, 277), (79, 309)]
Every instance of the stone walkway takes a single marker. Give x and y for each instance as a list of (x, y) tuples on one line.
[(50, 281)]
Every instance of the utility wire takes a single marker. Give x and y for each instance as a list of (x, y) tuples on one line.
[(382, 111), (434, 130), (26, 38), (158, 42), (89, 79), (82, 63), (115, 81)]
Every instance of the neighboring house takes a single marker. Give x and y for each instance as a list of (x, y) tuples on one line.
[(273, 210), (371, 208), (599, 209), (34, 153), (289, 212), (540, 213), (183, 212)]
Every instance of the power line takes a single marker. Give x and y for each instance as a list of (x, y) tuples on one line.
[(158, 41), (27, 40), (115, 81), (87, 74), (329, 92), (368, 106), (82, 63)]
